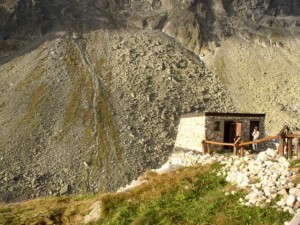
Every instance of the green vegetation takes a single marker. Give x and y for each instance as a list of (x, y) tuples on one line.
[(197, 198), (193, 195), (38, 101), (2, 105), (77, 75), (107, 132), (220, 70), (97, 117), (53, 210), (5, 210), (295, 163), (40, 96)]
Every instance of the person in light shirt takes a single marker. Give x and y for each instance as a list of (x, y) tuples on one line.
[(255, 136)]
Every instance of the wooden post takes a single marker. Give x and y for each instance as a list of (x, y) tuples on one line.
[(289, 144), (289, 148), (236, 146), (297, 150), (242, 151), (208, 149), (204, 147), (234, 150), (281, 145)]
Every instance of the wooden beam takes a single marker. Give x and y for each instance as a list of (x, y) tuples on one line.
[(283, 129), (244, 143), (292, 135), (219, 143), (259, 140)]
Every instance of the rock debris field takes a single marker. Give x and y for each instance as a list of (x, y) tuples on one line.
[(267, 176)]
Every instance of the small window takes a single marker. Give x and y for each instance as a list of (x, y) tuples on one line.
[(217, 126)]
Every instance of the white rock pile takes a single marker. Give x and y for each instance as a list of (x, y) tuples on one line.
[(133, 184), (184, 159), (266, 176)]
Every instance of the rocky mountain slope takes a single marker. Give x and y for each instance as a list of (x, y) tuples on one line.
[(92, 91)]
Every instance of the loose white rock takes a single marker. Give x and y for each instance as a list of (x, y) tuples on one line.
[(294, 191), (291, 200), (95, 214)]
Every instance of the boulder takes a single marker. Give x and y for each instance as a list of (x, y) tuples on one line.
[(291, 200), (64, 190), (271, 152), (262, 156), (94, 215)]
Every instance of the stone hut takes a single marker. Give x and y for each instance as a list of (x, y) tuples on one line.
[(220, 127)]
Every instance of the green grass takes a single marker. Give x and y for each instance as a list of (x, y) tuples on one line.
[(295, 163), (36, 105), (194, 200), (5, 210), (51, 210), (189, 196)]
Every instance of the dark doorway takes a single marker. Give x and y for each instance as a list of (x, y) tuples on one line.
[(252, 125), (230, 129)]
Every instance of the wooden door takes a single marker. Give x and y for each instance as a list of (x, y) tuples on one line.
[(230, 129), (238, 128)]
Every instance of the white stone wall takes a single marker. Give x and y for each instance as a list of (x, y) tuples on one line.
[(191, 133)]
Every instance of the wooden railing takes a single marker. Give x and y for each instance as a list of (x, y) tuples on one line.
[(285, 137)]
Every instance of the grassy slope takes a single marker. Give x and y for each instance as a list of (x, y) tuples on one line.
[(192, 195)]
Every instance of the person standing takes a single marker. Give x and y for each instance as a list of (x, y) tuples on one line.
[(255, 136)]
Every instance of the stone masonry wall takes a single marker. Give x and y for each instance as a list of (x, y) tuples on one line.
[(218, 135), (193, 130)]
